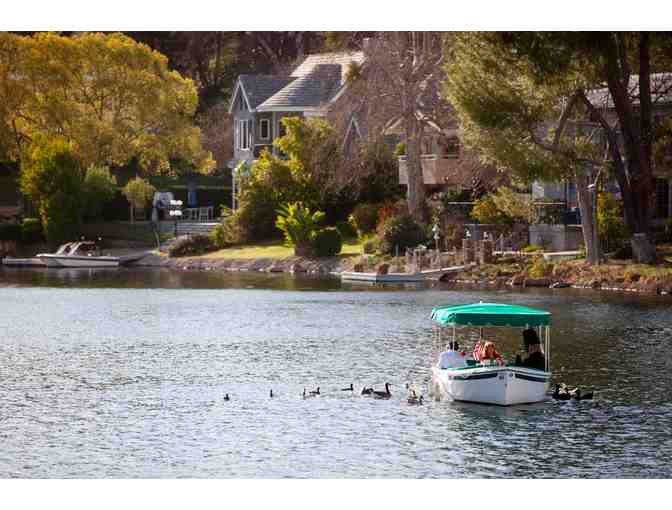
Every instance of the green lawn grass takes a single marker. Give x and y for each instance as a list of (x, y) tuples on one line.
[(274, 250)]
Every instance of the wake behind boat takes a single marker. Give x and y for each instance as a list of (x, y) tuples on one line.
[(486, 382), (84, 254)]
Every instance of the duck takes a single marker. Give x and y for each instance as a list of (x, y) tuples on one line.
[(413, 398), (383, 394), (366, 391), (586, 396), (351, 388), (315, 392), (226, 397), (560, 396), (271, 394)]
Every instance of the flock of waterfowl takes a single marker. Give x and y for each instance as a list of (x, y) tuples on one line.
[(415, 399)]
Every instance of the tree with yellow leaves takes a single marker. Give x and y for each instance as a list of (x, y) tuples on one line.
[(110, 97)]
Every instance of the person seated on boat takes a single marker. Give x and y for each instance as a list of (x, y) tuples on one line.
[(489, 352), (451, 357), (535, 356), (478, 349)]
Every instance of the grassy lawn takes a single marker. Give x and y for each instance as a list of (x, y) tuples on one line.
[(275, 250)]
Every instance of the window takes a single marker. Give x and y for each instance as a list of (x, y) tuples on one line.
[(264, 129), (242, 134)]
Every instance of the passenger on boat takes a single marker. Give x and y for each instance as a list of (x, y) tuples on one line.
[(535, 356), (489, 352), (451, 357)]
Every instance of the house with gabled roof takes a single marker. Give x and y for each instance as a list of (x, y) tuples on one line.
[(260, 102)]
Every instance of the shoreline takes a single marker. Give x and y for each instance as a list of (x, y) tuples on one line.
[(501, 280)]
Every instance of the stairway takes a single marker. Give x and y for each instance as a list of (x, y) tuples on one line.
[(187, 227)]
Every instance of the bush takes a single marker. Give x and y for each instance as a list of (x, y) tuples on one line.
[(399, 233), (610, 224), (10, 231), (365, 218), (326, 242), (31, 231), (191, 245), (139, 192), (346, 230), (228, 233), (370, 247), (541, 268), (99, 188), (52, 179), (531, 248), (298, 224), (623, 253)]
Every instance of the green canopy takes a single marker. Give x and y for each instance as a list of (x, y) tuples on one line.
[(490, 314)]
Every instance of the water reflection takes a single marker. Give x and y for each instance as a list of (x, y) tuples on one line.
[(121, 374)]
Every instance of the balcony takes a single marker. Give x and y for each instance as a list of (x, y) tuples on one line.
[(436, 170)]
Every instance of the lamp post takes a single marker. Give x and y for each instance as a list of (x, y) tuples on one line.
[(175, 212)]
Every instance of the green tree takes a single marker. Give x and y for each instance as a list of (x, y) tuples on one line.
[(508, 87), (139, 192), (51, 178), (99, 188)]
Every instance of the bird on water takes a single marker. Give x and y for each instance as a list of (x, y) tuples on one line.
[(366, 391), (226, 397), (351, 388), (271, 394), (383, 394), (315, 392)]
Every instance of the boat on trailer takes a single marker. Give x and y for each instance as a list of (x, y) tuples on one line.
[(486, 382)]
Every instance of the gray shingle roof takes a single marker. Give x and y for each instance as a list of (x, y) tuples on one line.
[(259, 87), (314, 82)]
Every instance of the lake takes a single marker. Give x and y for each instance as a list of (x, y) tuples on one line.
[(122, 373)]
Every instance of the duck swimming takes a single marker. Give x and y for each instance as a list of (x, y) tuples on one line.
[(315, 392), (413, 398), (351, 388), (226, 397), (366, 391), (271, 394), (383, 394), (578, 396), (560, 396)]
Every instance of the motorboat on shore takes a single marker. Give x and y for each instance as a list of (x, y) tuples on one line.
[(84, 254), (486, 382)]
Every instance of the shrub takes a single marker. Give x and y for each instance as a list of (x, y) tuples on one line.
[(227, 233), (399, 233), (191, 245), (370, 246), (346, 230), (52, 179), (365, 218), (10, 231), (326, 242), (623, 253), (298, 224), (541, 268), (610, 224), (139, 192), (31, 231), (400, 149), (99, 188), (531, 248)]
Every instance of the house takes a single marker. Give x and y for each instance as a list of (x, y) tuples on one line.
[(313, 89)]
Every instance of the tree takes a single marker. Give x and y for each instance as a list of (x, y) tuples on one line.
[(404, 74), (112, 98), (51, 178), (139, 192), (507, 88)]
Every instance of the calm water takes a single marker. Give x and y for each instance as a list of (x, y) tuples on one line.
[(122, 374)]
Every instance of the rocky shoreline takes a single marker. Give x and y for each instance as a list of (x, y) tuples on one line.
[(291, 265)]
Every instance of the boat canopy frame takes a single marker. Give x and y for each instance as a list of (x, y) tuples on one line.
[(497, 315)]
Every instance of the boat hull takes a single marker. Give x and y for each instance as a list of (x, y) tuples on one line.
[(51, 260), (497, 385)]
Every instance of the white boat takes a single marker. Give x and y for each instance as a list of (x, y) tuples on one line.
[(84, 254), (487, 383)]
